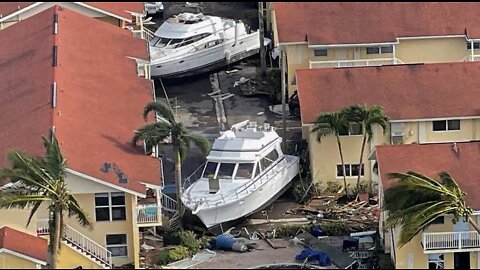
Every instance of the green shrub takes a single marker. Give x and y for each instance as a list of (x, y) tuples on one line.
[(189, 240), (163, 257), (291, 230), (178, 253), (333, 187), (364, 186)]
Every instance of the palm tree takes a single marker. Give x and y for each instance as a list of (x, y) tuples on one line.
[(368, 118), (332, 124), (166, 128), (37, 180), (417, 200)]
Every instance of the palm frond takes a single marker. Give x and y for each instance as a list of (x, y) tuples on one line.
[(199, 141), (416, 200), (75, 210), (36, 205), (55, 162), (152, 134), (161, 108), (21, 201)]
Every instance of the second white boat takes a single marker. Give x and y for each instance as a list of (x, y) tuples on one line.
[(245, 171)]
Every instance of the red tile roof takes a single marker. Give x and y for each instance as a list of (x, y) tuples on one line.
[(405, 91), (7, 8), (431, 159), (373, 22), (100, 98), (117, 8), (23, 243)]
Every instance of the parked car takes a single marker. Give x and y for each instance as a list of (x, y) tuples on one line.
[(154, 8)]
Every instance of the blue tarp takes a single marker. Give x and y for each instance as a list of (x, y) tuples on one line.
[(313, 255)]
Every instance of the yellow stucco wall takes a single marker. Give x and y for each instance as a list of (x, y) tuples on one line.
[(8, 261), (420, 260), (433, 50), (324, 156), (466, 132), (421, 50), (100, 229), (70, 259), (17, 219)]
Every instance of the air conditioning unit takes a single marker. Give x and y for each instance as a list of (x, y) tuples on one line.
[(398, 133)]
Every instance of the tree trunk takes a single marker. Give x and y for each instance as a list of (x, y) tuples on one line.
[(474, 224), (178, 183), (343, 164), (55, 238), (360, 165)]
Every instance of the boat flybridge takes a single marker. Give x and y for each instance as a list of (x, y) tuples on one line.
[(189, 44), (245, 171)]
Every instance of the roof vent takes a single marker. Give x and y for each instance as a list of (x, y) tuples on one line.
[(55, 23), (454, 147)]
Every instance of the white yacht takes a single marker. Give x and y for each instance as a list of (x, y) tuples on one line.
[(190, 43), (245, 171)]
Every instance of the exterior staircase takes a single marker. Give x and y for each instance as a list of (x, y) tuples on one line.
[(80, 243)]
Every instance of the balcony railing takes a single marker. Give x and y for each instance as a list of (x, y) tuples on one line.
[(355, 63), (147, 214), (471, 58), (450, 241)]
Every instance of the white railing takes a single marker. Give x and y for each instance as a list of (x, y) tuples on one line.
[(148, 213), (355, 63), (85, 244), (471, 58), (168, 204), (451, 240), (243, 190)]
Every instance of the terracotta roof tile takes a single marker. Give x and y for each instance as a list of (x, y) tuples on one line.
[(7, 8), (23, 243), (100, 98), (430, 159), (373, 22), (118, 8), (405, 91)]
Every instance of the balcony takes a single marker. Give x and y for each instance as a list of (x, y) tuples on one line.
[(149, 215), (355, 63), (471, 58), (448, 242)]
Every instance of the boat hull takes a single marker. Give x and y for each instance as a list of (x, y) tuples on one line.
[(206, 60), (253, 202)]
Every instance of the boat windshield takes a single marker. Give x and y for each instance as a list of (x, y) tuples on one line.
[(244, 171), (210, 169), (160, 42), (226, 170)]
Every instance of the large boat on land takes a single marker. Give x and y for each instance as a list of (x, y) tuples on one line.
[(189, 44), (245, 172)]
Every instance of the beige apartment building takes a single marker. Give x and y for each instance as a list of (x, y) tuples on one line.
[(426, 103), (329, 35)]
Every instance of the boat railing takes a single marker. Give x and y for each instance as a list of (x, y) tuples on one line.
[(244, 189), (196, 175)]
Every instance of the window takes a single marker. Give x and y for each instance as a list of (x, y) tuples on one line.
[(226, 170), (117, 245), (373, 50), (380, 50), (444, 125), (110, 206), (269, 159), (350, 169), (354, 129), (320, 52), (476, 45), (244, 171), (386, 49), (436, 261), (210, 169)]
